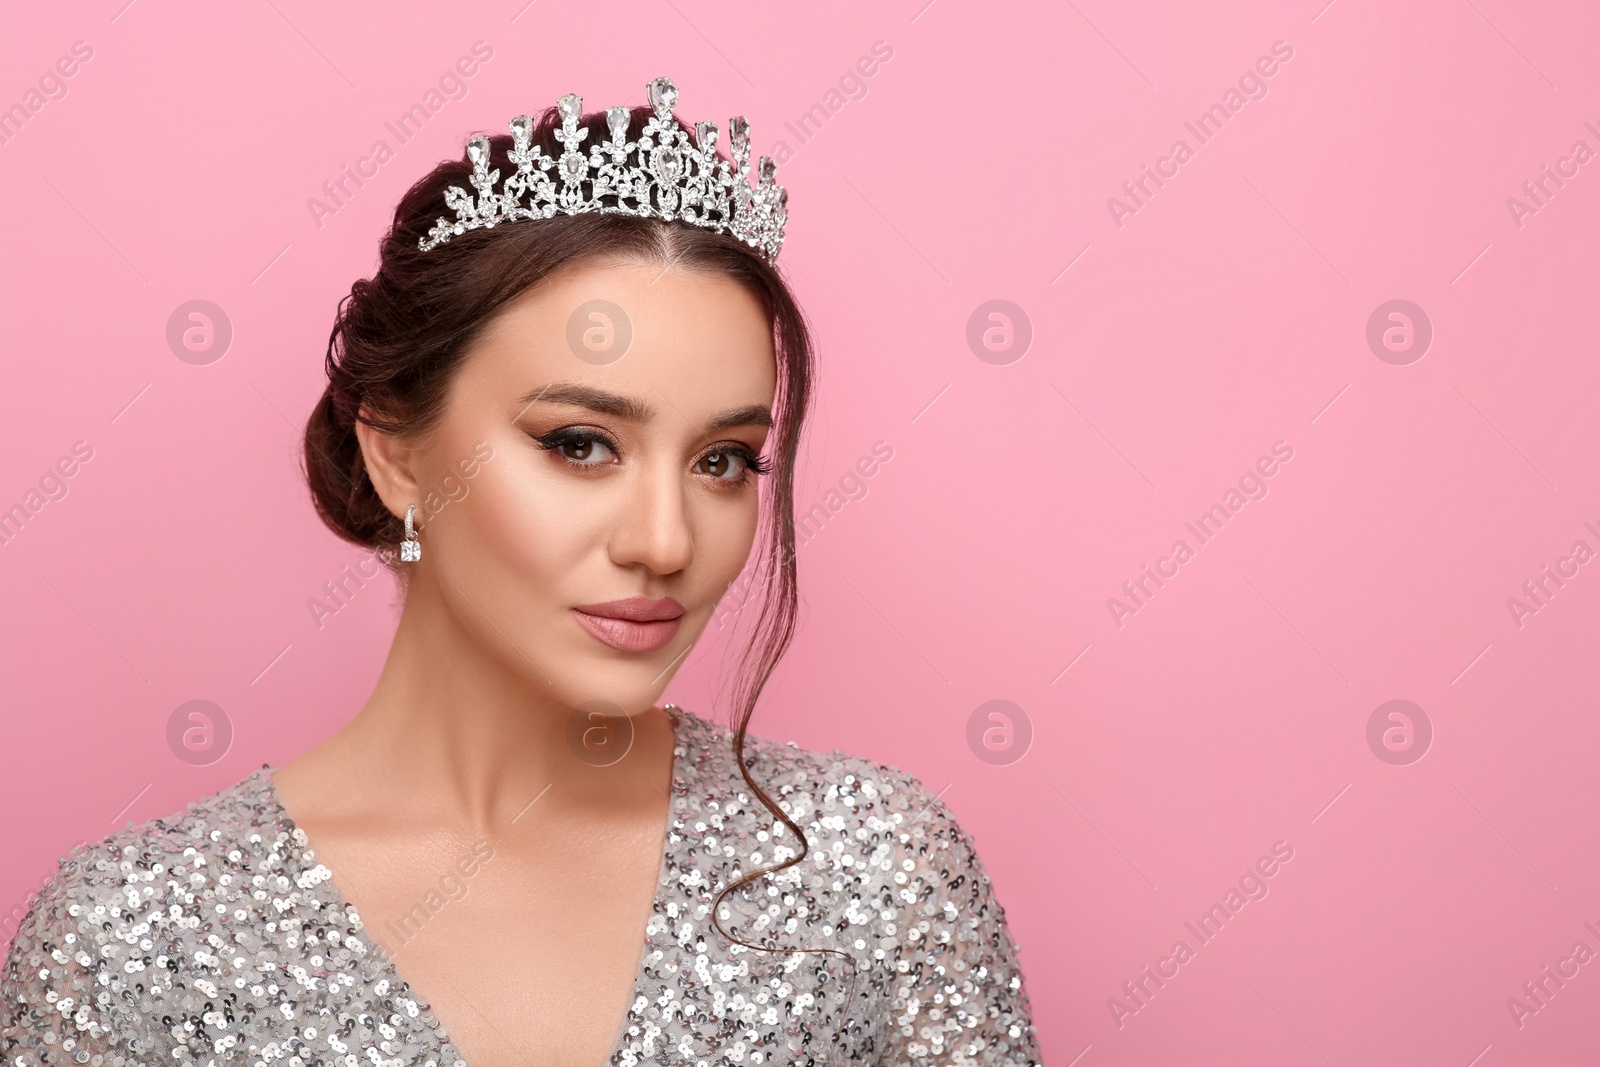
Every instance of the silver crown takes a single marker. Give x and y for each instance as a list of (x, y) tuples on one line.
[(661, 175)]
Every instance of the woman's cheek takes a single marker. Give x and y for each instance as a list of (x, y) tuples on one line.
[(523, 519), (724, 542)]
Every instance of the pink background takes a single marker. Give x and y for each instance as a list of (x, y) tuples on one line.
[(1229, 312)]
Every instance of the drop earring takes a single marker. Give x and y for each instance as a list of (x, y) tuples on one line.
[(410, 548)]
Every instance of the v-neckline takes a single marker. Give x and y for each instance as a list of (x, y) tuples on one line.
[(683, 764)]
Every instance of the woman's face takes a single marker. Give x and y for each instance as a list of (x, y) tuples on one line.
[(610, 419)]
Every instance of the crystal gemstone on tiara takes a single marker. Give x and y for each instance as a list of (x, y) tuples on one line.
[(665, 173)]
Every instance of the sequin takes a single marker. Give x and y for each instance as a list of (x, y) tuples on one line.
[(214, 936)]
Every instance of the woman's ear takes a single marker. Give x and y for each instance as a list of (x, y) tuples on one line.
[(388, 460)]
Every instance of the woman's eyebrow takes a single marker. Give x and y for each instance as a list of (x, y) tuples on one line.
[(754, 415), (587, 396), (630, 408)]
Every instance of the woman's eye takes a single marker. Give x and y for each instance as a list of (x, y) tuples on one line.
[(584, 449), (587, 448), (733, 464), (577, 447), (719, 464)]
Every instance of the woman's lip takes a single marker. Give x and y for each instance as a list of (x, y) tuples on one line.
[(627, 635), (635, 609)]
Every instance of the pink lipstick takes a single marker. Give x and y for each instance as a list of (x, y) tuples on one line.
[(636, 624)]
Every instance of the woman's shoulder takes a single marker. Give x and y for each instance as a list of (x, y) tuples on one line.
[(889, 875), (855, 811), (85, 944), (836, 780), (101, 886)]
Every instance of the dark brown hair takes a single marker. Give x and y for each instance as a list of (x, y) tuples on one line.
[(399, 337)]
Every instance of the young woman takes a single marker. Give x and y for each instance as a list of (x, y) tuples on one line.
[(549, 414)]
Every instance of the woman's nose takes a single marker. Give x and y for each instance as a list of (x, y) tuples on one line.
[(653, 527)]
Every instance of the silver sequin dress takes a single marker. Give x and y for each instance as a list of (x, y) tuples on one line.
[(214, 936)]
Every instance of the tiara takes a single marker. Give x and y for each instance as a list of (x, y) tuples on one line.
[(661, 175)]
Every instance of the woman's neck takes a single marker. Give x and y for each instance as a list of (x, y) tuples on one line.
[(462, 730)]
